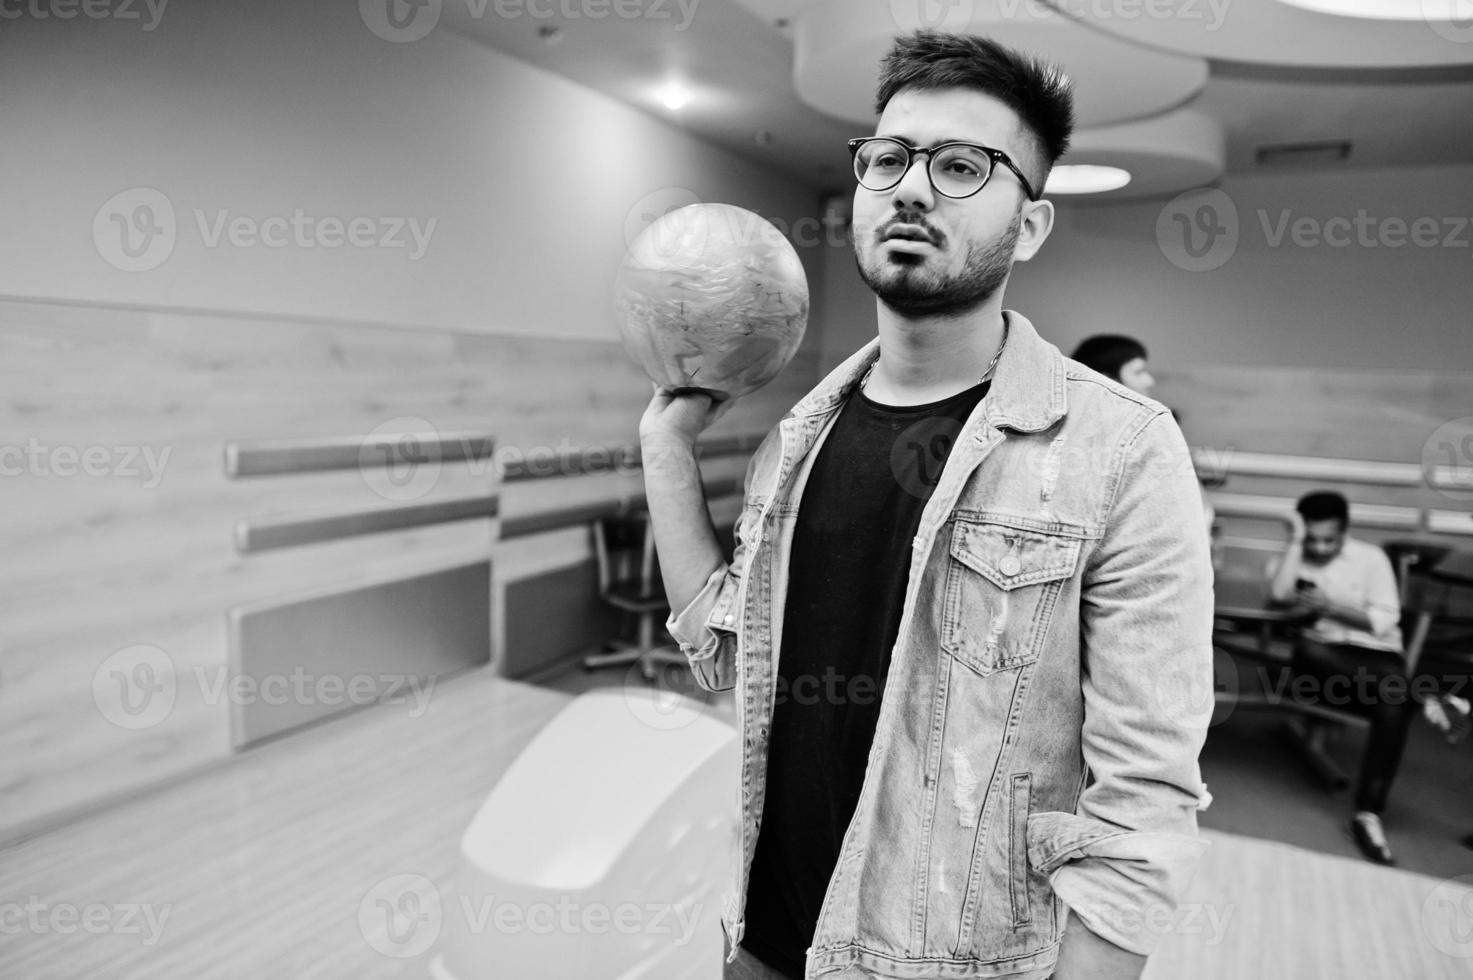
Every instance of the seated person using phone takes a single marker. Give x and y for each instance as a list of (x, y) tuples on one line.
[(1350, 652)]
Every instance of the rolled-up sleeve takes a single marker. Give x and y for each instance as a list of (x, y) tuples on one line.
[(706, 629), (1122, 860)]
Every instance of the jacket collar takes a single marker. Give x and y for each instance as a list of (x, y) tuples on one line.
[(1027, 392)]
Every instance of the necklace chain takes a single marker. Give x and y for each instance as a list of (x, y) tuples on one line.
[(991, 365)]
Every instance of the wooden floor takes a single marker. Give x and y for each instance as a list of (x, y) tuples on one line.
[(282, 863), (276, 864)]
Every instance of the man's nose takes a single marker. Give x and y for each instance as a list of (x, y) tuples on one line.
[(914, 189)]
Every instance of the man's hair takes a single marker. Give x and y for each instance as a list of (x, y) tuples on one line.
[(1107, 353), (1040, 93), (1324, 505)]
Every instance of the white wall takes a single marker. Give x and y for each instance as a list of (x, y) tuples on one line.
[(260, 109), (1285, 305)]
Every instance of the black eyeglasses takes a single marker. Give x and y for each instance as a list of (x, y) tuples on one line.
[(955, 169)]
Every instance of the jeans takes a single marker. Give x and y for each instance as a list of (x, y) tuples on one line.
[(1372, 684)]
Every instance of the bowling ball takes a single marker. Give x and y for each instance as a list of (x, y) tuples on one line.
[(712, 298)]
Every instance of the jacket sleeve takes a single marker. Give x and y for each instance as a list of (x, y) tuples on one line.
[(707, 628), (1121, 861)]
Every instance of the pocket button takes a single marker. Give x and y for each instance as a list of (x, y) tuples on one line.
[(1010, 565)]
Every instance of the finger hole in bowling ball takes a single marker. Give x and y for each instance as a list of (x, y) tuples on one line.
[(717, 397)]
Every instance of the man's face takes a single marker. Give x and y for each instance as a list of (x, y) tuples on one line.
[(926, 254), (1323, 540)]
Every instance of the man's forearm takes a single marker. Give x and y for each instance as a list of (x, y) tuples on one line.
[(684, 536), (1085, 956), (1281, 588)]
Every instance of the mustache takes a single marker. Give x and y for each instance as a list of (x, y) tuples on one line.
[(914, 218)]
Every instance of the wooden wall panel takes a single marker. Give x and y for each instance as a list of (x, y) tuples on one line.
[(103, 562)]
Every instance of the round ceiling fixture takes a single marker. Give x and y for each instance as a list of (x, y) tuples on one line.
[(838, 44), (1166, 154), (1085, 178), (1293, 33)]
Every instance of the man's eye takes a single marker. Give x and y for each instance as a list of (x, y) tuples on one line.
[(886, 161)]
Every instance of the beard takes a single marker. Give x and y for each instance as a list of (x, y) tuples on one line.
[(903, 283)]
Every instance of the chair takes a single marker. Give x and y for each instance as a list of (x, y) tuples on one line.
[(629, 580), (1267, 638)]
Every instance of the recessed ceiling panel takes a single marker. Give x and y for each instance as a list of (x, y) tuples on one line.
[(1388, 34), (838, 45)]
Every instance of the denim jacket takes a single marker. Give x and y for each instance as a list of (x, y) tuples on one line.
[(1047, 696)]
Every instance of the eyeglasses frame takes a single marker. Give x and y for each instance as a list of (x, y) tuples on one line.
[(994, 155)]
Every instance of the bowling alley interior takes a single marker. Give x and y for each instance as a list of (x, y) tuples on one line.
[(336, 638)]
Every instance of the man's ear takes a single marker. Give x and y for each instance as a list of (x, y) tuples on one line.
[(1036, 222)]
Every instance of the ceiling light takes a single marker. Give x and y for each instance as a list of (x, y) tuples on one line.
[(1085, 178), (674, 96), (1381, 9)]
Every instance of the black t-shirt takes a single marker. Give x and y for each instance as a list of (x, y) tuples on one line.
[(849, 567)]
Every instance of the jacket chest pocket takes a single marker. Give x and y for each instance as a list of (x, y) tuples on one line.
[(1001, 586)]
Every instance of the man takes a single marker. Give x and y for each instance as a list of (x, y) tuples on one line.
[(1351, 649), (969, 575)]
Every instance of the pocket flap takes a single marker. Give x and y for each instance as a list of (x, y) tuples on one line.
[(1009, 557)]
